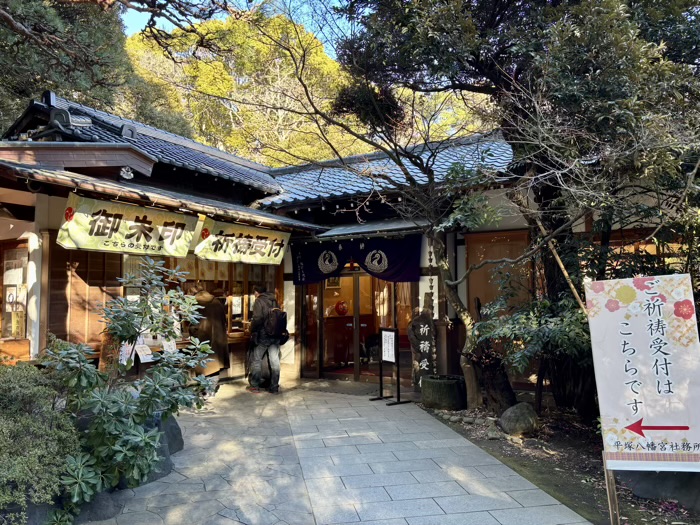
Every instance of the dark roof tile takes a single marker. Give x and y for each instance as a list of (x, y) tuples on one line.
[(167, 147), (326, 180)]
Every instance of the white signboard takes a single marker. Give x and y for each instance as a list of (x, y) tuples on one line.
[(388, 345), (647, 365), (145, 353)]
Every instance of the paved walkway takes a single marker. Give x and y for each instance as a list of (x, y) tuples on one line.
[(313, 458)]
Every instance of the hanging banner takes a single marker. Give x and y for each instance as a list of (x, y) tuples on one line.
[(316, 261), (393, 260), (646, 355), (90, 224), (226, 242)]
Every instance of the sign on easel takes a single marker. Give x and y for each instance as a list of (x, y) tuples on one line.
[(646, 355), (388, 345), (390, 352)]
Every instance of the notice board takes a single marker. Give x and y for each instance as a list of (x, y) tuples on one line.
[(646, 355)]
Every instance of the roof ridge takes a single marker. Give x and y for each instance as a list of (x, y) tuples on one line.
[(377, 155), (152, 131)]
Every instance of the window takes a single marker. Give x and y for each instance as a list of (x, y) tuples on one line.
[(14, 293), (231, 283)]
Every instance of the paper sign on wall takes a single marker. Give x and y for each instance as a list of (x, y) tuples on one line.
[(144, 352), (647, 364)]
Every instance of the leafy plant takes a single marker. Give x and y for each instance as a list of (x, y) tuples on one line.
[(538, 329), (35, 438), (119, 418)]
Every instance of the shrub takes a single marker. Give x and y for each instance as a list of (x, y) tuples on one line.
[(36, 436), (119, 437)]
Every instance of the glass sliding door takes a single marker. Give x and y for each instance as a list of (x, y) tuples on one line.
[(351, 309), (339, 300), (310, 329)]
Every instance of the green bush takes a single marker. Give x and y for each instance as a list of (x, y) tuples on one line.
[(36, 436), (70, 430), (118, 417)]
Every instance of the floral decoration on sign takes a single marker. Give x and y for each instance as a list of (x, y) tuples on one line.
[(684, 309), (612, 305)]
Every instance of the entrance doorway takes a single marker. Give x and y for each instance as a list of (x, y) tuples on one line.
[(343, 316)]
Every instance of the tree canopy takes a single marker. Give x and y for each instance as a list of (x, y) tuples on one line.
[(80, 55), (242, 96)]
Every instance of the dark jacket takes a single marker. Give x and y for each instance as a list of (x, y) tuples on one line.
[(261, 309), (212, 328)]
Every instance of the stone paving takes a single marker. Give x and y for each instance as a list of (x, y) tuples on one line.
[(313, 458)]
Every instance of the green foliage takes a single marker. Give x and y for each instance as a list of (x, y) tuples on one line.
[(82, 55), (538, 329), (242, 94), (148, 95), (82, 478), (471, 208), (377, 108), (126, 319), (60, 517), (120, 438), (35, 438)]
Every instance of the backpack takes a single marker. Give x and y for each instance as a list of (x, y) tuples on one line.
[(276, 324)]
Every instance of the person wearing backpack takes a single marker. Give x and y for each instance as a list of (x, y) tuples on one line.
[(269, 330)]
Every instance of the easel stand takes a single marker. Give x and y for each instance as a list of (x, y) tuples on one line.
[(611, 489), (398, 384), (390, 352), (381, 384)]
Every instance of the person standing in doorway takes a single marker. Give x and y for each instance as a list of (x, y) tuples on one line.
[(265, 339)]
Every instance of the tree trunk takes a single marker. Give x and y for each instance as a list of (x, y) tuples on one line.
[(451, 293), (472, 382), (539, 388), (573, 386), (489, 366), (499, 393)]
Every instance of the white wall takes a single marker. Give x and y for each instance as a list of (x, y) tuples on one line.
[(511, 218)]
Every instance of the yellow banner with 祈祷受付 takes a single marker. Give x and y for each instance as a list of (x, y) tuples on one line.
[(227, 242)]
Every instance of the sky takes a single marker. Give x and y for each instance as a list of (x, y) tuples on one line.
[(135, 22)]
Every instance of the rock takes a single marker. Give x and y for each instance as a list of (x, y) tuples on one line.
[(519, 419), (468, 420), (514, 439), (454, 419), (36, 514), (683, 487), (101, 508), (493, 433), (479, 421), (172, 434), (446, 416)]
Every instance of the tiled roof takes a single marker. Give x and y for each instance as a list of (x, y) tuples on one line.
[(165, 147), (176, 200), (374, 228), (330, 180)]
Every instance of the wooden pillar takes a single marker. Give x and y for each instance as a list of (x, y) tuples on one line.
[(45, 289)]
